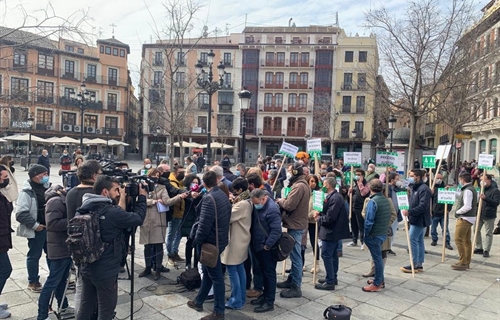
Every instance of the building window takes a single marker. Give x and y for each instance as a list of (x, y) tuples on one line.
[(325, 57), (112, 101), (291, 124), (294, 58), (43, 118), (91, 73), (269, 77), (108, 50), (19, 58), (67, 92), (495, 108), (277, 124), (279, 100), (304, 58), (69, 69), (493, 146), (203, 101), (360, 104), (280, 58), (268, 100), (278, 40), (250, 56), (80, 51), (303, 100), (158, 59), (359, 127), (293, 78), (45, 92), (344, 129), (349, 56), (180, 79), (69, 48), (90, 120), (347, 85), (45, 62), (227, 59), (112, 76), (292, 100), (204, 58), (115, 52), (346, 104), (122, 53), (269, 57), (226, 98), (19, 88), (301, 126), (202, 123), (361, 81), (279, 78), (101, 49), (68, 118), (227, 81), (18, 116), (304, 76), (482, 146), (363, 56), (268, 123), (157, 78), (111, 123)]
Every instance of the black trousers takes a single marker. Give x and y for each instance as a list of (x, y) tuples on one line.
[(312, 236), (357, 225), (153, 255), (189, 253), (100, 293)]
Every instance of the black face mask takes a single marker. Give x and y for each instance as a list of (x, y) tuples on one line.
[(180, 176), (166, 174), (163, 181), (154, 179), (4, 183)]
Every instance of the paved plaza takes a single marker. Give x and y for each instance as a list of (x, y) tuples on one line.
[(437, 293)]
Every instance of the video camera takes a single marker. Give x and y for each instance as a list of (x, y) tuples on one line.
[(123, 175)]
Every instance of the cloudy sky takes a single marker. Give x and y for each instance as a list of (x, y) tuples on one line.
[(137, 20)]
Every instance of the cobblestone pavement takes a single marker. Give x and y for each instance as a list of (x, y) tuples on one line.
[(437, 293)]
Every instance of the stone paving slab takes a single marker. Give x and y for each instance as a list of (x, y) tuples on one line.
[(438, 293)]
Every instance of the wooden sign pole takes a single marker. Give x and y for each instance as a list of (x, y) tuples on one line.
[(387, 182), (279, 172), (409, 246), (444, 231), (478, 216), (352, 192), (315, 252)]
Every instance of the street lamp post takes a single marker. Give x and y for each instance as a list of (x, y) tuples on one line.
[(83, 98), (245, 97), (107, 140), (210, 87), (30, 124), (157, 133), (354, 134), (392, 122)]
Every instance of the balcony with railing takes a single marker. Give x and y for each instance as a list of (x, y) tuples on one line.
[(11, 66), (49, 99), (297, 108), (227, 86), (16, 96), (203, 106), (345, 109), (179, 62), (430, 130), (271, 85), (270, 108), (92, 78), (228, 63), (158, 62), (291, 132), (67, 102), (70, 75), (347, 135), (46, 72), (360, 109)]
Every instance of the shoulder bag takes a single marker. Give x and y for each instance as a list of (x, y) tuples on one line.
[(283, 247)]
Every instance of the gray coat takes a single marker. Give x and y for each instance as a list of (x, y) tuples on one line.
[(57, 224), (26, 212)]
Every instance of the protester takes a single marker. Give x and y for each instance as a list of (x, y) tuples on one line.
[(190, 166), (5, 237), (438, 214), (314, 185), (146, 165), (191, 182), (173, 238), (394, 188), (65, 160), (359, 193), (10, 191), (99, 279), (44, 160), (491, 200), (30, 213)]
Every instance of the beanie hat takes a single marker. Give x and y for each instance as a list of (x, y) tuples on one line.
[(36, 169)]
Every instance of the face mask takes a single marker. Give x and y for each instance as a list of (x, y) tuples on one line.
[(438, 181), (193, 187), (258, 206), (166, 174), (411, 180), (44, 180), (356, 178), (65, 154), (4, 183), (288, 175), (400, 184), (425, 180), (324, 189), (148, 166), (180, 176), (237, 173)]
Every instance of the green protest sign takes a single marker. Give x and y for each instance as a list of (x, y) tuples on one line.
[(446, 196), (318, 199), (287, 191), (429, 162)]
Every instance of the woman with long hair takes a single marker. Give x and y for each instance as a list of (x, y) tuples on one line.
[(313, 181), (11, 191), (193, 183)]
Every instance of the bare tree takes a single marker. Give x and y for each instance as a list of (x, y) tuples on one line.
[(324, 115), (416, 48)]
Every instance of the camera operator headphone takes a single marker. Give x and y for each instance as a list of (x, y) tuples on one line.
[(297, 169)]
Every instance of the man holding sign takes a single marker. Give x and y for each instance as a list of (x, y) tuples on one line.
[(419, 216), (491, 200), (466, 217), (438, 214)]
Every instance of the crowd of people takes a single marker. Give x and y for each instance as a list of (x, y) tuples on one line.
[(242, 212)]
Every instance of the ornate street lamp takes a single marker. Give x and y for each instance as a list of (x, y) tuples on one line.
[(245, 97), (83, 99)]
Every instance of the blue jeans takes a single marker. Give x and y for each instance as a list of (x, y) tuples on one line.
[(213, 276), (36, 245), (296, 257), (238, 279), (339, 248), (440, 221), (173, 238), (5, 269), (417, 244), (374, 244), (268, 268), (330, 257), (58, 274)]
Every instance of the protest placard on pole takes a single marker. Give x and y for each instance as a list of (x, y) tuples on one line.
[(314, 147), (446, 197), (442, 152), (318, 200), (485, 161), (429, 161), (404, 204)]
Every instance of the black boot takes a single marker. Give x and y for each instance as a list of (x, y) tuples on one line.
[(293, 292), (285, 284), (147, 271)]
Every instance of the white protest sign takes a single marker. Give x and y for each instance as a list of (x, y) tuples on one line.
[(352, 159), (443, 151), (318, 199), (288, 149), (403, 202), (314, 147), (485, 161), (446, 196)]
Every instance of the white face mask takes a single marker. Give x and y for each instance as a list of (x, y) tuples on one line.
[(288, 175), (438, 181), (399, 184), (148, 166), (425, 180)]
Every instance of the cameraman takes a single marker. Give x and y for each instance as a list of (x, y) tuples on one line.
[(100, 277)]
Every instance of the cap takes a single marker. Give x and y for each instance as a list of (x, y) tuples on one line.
[(36, 169)]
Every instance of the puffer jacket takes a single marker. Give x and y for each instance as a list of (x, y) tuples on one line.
[(296, 205), (206, 223), (269, 217), (113, 222), (420, 211), (57, 224), (26, 212), (179, 206)]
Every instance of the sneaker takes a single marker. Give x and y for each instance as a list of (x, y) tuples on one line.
[(324, 286), (370, 281), (407, 269), (448, 246), (478, 251), (194, 306), (419, 269), (293, 292), (4, 314), (171, 261), (352, 244), (264, 307), (371, 288), (35, 287), (178, 258), (434, 243), (214, 316), (362, 247), (4, 306), (68, 310), (486, 254)]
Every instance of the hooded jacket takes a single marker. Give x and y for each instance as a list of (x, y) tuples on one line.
[(26, 212), (420, 211), (491, 202), (57, 224), (113, 222)]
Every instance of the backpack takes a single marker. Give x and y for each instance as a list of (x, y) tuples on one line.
[(337, 312), (84, 238), (190, 279)]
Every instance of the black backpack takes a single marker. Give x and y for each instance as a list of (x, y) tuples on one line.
[(337, 312), (84, 238), (190, 279)]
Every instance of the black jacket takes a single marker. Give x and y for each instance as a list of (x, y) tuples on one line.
[(113, 222), (438, 208), (490, 203), (206, 223), (270, 219), (5, 224), (57, 225), (189, 217), (228, 174), (44, 161), (334, 222), (358, 199), (420, 205)]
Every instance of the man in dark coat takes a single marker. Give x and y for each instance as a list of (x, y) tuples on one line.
[(438, 214), (5, 237), (491, 200), (57, 251), (359, 192), (334, 226), (44, 160), (214, 203), (99, 278)]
